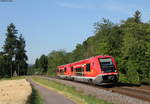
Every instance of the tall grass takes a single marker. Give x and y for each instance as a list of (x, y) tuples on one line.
[(35, 98)]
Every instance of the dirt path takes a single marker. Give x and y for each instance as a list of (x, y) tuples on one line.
[(51, 97)]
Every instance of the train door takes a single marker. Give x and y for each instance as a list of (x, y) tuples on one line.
[(72, 70), (88, 69)]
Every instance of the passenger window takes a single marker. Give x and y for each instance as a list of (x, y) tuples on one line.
[(65, 69), (61, 71), (88, 67), (71, 69), (79, 71)]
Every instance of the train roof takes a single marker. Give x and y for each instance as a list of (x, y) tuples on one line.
[(84, 60)]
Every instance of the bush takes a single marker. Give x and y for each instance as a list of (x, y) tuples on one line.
[(123, 78), (132, 74)]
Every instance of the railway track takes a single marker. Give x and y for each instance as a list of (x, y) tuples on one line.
[(136, 93), (139, 92)]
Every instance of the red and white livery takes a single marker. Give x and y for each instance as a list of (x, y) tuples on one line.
[(96, 70)]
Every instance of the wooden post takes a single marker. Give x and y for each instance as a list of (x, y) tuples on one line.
[(18, 69), (11, 70)]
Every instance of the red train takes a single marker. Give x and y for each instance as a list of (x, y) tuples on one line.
[(96, 70)]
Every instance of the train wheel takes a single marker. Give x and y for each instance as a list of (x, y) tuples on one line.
[(90, 81), (72, 79)]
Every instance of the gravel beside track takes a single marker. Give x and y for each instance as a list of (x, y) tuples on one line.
[(130, 91), (107, 95), (133, 93)]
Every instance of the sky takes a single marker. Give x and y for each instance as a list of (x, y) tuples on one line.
[(50, 25)]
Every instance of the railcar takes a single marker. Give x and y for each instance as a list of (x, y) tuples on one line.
[(96, 70)]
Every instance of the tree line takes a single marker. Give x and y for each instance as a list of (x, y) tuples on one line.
[(13, 58), (40, 66), (128, 42)]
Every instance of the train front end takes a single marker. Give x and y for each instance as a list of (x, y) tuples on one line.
[(108, 71)]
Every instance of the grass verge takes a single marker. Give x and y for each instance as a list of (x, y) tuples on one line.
[(14, 78), (70, 92), (35, 98)]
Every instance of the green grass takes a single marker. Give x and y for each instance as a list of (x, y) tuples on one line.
[(77, 96), (35, 98), (14, 78)]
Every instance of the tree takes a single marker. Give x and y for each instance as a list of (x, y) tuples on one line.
[(56, 58), (78, 52), (2, 66), (102, 25), (36, 65), (102, 36), (10, 47), (137, 16), (134, 48), (14, 53), (43, 63), (21, 57)]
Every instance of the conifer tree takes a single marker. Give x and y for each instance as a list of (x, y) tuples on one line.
[(43, 63), (21, 56), (137, 16), (36, 65), (10, 47)]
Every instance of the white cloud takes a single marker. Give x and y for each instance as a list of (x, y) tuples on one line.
[(119, 6), (77, 5), (69, 5)]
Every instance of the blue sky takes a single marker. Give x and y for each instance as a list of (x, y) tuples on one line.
[(50, 25)]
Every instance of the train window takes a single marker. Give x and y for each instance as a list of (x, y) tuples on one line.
[(107, 65), (71, 69), (79, 71), (88, 67), (65, 70), (61, 70)]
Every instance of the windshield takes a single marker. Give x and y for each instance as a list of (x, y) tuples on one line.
[(107, 65)]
